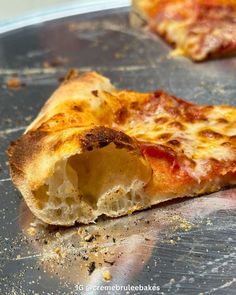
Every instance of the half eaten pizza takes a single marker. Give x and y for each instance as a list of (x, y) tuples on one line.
[(199, 29), (94, 150)]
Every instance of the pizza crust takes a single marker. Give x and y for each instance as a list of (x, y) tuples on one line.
[(76, 174)]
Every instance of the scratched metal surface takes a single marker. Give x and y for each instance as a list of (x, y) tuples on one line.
[(186, 247)]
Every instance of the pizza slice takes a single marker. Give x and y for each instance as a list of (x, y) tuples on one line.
[(198, 29), (94, 150)]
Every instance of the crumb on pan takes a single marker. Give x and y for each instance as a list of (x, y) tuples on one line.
[(91, 267), (107, 275), (89, 238), (14, 83), (31, 231), (58, 235)]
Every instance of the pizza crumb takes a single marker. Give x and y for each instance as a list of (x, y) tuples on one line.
[(58, 235), (89, 238), (80, 231), (91, 267), (14, 83), (209, 222), (58, 251), (176, 53), (186, 226), (107, 276), (31, 231)]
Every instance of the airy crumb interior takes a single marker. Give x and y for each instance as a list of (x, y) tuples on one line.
[(104, 181)]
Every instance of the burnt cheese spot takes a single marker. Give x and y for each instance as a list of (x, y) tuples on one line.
[(95, 93), (161, 120), (174, 142), (226, 144), (177, 125), (213, 160), (158, 93), (222, 121), (232, 140), (164, 136), (77, 108), (134, 105), (210, 134), (59, 143), (121, 115), (233, 137), (173, 111), (195, 113)]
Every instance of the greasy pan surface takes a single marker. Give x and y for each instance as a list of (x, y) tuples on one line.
[(183, 247)]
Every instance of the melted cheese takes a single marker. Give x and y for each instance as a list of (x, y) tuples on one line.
[(201, 140)]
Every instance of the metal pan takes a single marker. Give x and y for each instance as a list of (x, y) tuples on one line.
[(184, 247)]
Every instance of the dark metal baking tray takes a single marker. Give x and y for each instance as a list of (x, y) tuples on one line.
[(183, 247)]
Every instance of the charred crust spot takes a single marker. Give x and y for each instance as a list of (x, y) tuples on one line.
[(77, 108), (95, 93), (195, 113), (222, 121), (134, 105), (214, 161), (23, 150), (174, 142), (233, 138), (100, 137), (210, 134), (71, 75), (161, 120), (121, 115), (58, 144), (174, 111), (158, 93), (164, 136), (177, 125), (191, 162)]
